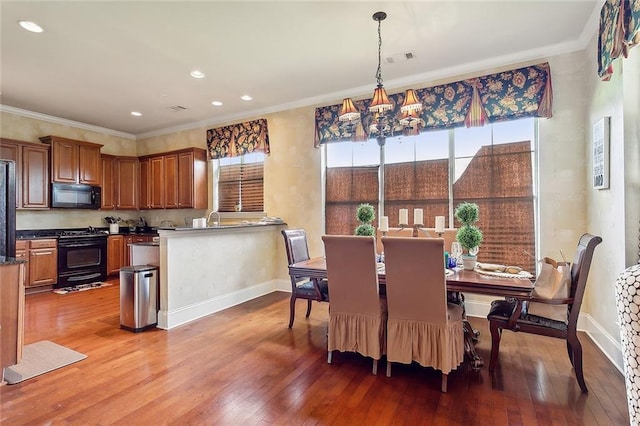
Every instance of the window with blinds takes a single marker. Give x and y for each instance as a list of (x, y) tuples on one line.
[(241, 183), (492, 166)]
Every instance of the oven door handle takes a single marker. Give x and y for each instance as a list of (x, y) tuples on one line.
[(83, 277), (72, 245)]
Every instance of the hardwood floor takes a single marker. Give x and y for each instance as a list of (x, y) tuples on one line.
[(244, 366)]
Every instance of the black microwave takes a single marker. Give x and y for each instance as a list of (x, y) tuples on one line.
[(75, 196)]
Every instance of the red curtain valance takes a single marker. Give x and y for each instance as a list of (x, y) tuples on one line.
[(238, 139), (619, 32), (508, 95)]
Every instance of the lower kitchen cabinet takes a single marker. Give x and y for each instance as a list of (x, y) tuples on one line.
[(115, 254), (42, 258)]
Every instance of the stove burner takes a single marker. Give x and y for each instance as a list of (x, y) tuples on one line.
[(89, 232)]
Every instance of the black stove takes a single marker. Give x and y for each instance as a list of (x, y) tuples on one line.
[(90, 232), (82, 253)]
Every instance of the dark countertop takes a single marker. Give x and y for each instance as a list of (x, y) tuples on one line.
[(34, 234), (10, 260)]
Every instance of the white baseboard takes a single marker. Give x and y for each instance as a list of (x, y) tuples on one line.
[(171, 319), (607, 344)]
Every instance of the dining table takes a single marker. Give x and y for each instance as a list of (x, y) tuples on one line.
[(458, 281)]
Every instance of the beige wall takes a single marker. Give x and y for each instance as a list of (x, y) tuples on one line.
[(568, 206), (614, 213)]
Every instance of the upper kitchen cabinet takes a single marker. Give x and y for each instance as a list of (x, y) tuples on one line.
[(119, 183), (174, 180), (32, 172), (74, 161)]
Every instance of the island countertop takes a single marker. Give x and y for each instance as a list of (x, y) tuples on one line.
[(240, 225)]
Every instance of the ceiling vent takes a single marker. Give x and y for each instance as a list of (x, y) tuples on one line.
[(399, 57), (177, 108)]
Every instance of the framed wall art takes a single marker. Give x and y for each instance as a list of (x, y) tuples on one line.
[(600, 146)]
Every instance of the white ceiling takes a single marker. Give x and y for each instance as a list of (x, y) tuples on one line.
[(97, 61)]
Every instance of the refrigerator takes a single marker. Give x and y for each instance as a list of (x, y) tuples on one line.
[(7, 208)]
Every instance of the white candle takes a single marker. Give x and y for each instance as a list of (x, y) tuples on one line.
[(417, 217), (440, 224), (384, 224), (403, 217)]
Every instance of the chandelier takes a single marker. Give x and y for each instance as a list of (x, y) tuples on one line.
[(383, 123)]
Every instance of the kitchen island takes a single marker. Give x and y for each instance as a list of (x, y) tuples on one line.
[(206, 270)]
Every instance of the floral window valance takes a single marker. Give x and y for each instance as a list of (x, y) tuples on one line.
[(238, 139), (619, 32), (508, 95)]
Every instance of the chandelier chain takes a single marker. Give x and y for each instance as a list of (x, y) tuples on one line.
[(379, 71)]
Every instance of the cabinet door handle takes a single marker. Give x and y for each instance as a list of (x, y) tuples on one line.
[(42, 253)]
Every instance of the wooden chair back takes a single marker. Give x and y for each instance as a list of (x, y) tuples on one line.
[(579, 273), (449, 235)]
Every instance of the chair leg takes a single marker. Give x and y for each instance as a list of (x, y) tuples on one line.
[(329, 357), (375, 367), (496, 334), (576, 350), (443, 386), (292, 310), (388, 368), (308, 307), (570, 352)]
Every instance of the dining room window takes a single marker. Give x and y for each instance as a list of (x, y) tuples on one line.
[(492, 166), (240, 183)]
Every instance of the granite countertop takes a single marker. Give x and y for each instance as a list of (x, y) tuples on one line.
[(10, 260), (223, 226)]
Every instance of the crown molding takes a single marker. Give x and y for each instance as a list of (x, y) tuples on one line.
[(65, 122)]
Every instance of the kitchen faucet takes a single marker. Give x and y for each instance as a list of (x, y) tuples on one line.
[(209, 217)]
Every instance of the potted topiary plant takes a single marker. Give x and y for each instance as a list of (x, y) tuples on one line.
[(469, 236), (365, 214)]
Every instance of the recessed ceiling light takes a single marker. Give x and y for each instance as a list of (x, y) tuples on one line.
[(246, 97), (136, 113), (216, 103), (30, 26), (197, 74)]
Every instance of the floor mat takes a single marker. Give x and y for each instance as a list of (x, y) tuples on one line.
[(39, 358)]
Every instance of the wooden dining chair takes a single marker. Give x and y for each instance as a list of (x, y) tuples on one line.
[(392, 232), (357, 313), (422, 326), (449, 235), (295, 242), (511, 314)]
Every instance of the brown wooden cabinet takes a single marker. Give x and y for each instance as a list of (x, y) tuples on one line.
[(32, 172), (115, 254), (74, 161), (145, 179), (175, 180), (126, 173), (22, 252), (42, 258), (156, 182), (43, 262), (108, 201), (119, 183), (11, 313)]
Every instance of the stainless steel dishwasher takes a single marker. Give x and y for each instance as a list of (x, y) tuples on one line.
[(138, 297)]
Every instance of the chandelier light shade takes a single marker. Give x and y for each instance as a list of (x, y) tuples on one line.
[(380, 102), (411, 102), (348, 111)]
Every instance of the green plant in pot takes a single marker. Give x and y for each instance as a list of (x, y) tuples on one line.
[(469, 236), (365, 214)]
